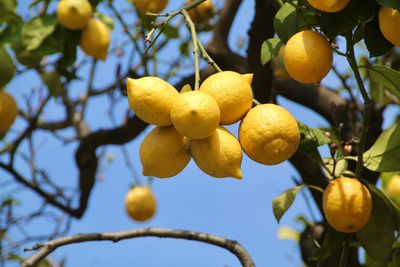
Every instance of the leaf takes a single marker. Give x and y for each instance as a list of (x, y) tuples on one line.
[(391, 3), (11, 34), (107, 20), (7, 67), (356, 13), (311, 138), (7, 10), (68, 50), (285, 22), (53, 82), (36, 2), (171, 32), (186, 88), (340, 168), (378, 235), (270, 49), (386, 76), (283, 202), (384, 155), (333, 242), (35, 31), (287, 233), (376, 43)]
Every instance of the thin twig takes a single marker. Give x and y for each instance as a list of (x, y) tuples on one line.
[(192, 29), (233, 246)]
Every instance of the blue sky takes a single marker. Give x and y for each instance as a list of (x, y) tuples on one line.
[(239, 210)]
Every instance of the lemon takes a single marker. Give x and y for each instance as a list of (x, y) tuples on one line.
[(389, 23), (280, 73), (195, 114), (151, 98), (329, 5), (218, 155), (347, 204), (8, 111), (232, 92), (269, 134), (202, 13), (308, 57), (153, 6), (74, 14), (95, 39), (164, 152), (393, 187), (140, 203)]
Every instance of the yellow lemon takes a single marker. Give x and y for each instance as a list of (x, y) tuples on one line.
[(308, 57), (347, 204), (393, 186), (8, 111), (153, 6), (279, 70), (140, 203), (95, 39), (74, 14), (195, 114), (389, 23), (329, 5), (202, 13), (164, 152), (269, 134), (218, 155), (151, 98), (232, 92)]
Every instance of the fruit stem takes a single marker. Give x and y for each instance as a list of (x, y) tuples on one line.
[(345, 252), (192, 29), (351, 58)]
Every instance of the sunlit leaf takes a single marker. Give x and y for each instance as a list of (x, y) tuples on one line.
[(270, 49), (287, 233), (35, 31), (7, 10), (311, 138), (385, 76), (283, 202), (285, 22), (7, 67)]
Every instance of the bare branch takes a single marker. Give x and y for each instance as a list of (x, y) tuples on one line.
[(233, 246)]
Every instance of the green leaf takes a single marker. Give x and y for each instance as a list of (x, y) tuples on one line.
[(376, 43), (384, 155), (332, 244), (340, 167), (386, 76), (283, 202), (356, 13), (7, 10), (186, 88), (68, 49), (378, 235), (270, 49), (7, 67), (391, 3), (11, 34), (35, 31), (370, 262), (53, 82), (107, 20), (285, 22), (171, 32), (311, 138)]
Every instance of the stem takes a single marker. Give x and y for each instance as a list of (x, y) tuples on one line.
[(207, 57), (351, 58), (192, 29), (345, 252)]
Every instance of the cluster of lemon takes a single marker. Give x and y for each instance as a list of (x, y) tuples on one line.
[(77, 15), (189, 124)]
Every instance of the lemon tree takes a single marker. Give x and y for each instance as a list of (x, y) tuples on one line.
[(181, 82)]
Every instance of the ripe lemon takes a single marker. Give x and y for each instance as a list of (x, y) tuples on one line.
[(269, 134), (280, 73), (151, 98), (393, 187), (153, 6), (308, 57), (202, 13), (74, 14), (95, 39), (218, 155), (329, 5), (389, 23), (8, 111), (347, 204), (140, 203), (164, 152), (232, 91), (195, 114)]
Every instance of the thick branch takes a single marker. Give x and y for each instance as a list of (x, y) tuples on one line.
[(233, 246)]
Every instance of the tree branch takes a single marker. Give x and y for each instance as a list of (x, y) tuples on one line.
[(233, 246)]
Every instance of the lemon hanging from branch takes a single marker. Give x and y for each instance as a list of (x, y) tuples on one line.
[(140, 203), (74, 14), (8, 111), (95, 39)]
